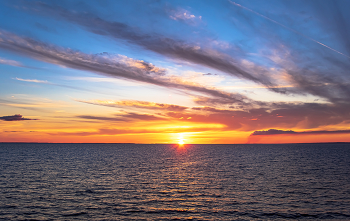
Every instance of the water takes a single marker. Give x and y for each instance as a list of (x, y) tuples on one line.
[(164, 182)]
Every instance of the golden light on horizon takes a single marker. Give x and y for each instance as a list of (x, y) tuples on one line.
[(181, 140)]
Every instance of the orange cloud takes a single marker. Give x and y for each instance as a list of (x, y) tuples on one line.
[(135, 103), (113, 131)]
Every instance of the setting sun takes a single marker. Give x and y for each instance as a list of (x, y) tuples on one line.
[(181, 142)]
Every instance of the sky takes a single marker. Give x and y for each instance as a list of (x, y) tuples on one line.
[(153, 71)]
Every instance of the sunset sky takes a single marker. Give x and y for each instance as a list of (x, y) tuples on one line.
[(175, 71)]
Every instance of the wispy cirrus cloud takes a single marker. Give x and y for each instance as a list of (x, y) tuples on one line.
[(124, 117), (10, 62), (53, 84), (301, 79), (184, 15), (27, 102), (310, 65), (135, 103), (101, 118), (110, 65), (32, 80), (145, 117), (166, 46), (305, 74), (288, 28)]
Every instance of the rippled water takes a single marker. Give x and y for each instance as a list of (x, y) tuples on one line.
[(164, 182)]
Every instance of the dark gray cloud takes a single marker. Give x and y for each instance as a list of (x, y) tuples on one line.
[(272, 132), (277, 132), (16, 117)]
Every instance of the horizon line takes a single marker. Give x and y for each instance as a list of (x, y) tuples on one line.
[(340, 142)]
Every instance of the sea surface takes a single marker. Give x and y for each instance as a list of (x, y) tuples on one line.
[(169, 182)]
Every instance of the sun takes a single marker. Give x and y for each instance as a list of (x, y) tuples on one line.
[(181, 142)]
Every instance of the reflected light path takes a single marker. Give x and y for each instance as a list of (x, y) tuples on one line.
[(163, 182)]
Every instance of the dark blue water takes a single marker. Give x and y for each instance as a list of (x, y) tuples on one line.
[(163, 182)]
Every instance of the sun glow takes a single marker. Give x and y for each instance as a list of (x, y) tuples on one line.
[(181, 140)]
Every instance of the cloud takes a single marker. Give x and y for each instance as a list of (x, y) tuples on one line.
[(137, 104), (28, 102), (16, 117), (32, 80), (184, 15), (307, 68), (140, 64), (59, 85), (305, 73), (124, 117), (276, 115), (145, 117), (113, 131), (290, 29), (198, 78), (272, 132), (238, 102), (106, 64), (277, 132), (14, 131), (100, 118), (10, 62), (310, 66), (157, 43), (113, 65), (246, 118), (334, 12)]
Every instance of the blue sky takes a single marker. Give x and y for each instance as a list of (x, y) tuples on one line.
[(79, 68)]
